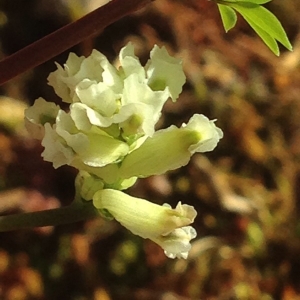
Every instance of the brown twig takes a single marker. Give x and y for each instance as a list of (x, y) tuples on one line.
[(66, 37)]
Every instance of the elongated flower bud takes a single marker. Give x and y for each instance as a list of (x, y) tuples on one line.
[(166, 226)]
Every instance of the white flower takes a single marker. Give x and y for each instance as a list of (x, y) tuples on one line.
[(166, 226), (38, 115), (108, 134), (171, 148), (209, 132), (112, 111), (177, 243), (95, 68), (97, 96), (56, 149), (130, 63), (148, 106), (162, 71), (94, 148), (165, 72)]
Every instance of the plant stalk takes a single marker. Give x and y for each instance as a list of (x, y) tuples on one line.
[(66, 37), (77, 211)]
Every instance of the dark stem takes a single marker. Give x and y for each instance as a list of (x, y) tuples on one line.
[(78, 211), (66, 37)]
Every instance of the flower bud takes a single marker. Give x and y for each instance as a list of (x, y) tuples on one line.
[(161, 224)]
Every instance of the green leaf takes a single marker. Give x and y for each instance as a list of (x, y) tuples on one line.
[(253, 1), (246, 1), (260, 17), (228, 16), (267, 38)]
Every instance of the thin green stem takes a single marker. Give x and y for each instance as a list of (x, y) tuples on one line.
[(77, 211), (66, 37)]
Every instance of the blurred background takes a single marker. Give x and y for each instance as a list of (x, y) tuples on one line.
[(246, 191)]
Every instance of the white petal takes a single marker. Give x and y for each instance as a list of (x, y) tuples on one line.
[(96, 150), (177, 243), (210, 133), (135, 119), (103, 150), (136, 91), (57, 79), (56, 150), (84, 117), (130, 63), (97, 96), (111, 77), (165, 71), (38, 115), (76, 69)]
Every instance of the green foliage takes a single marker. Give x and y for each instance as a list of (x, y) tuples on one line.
[(228, 16), (263, 22)]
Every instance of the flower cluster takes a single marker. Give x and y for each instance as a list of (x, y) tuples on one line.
[(109, 134)]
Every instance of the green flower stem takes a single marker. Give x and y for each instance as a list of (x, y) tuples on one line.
[(66, 37), (77, 211)]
